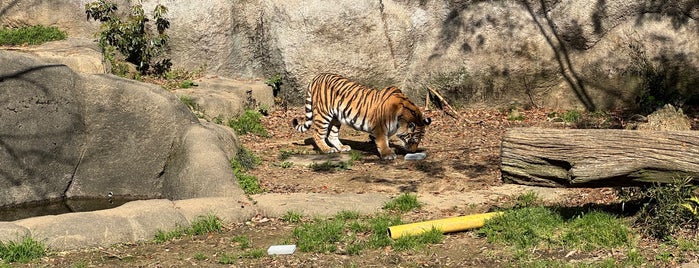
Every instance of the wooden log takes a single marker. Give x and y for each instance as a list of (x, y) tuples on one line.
[(598, 157)]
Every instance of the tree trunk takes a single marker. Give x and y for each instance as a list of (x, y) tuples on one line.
[(598, 157)]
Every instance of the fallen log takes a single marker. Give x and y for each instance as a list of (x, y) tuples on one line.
[(598, 157)]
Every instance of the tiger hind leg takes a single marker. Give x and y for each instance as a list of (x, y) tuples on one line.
[(334, 138)]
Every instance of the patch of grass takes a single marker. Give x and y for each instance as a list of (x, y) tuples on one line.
[(249, 123), (242, 241), (23, 251), (31, 35), (527, 199), (292, 216), (329, 166), (403, 203), (523, 228), (201, 225), (200, 256), (205, 224), (348, 233), (571, 116), (433, 236), (249, 183), (319, 236), (226, 258), (164, 236), (254, 254), (530, 228), (347, 215), (243, 161), (286, 164), (355, 155), (596, 230)]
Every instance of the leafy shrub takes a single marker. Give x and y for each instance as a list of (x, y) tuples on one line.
[(664, 211), (248, 122), (32, 35), (131, 36)]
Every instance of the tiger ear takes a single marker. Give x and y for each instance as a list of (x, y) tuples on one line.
[(427, 121)]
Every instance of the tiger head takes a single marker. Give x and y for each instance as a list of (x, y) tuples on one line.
[(411, 127)]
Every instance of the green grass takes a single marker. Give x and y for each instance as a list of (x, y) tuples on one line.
[(249, 123), (32, 35), (403, 203), (201, 225), (205, 224), (292, 216), (242, 241), (243, 161), (595, 230), (531, 227), (349, 233), (23, 251), (200, 256), (523, 228), (433, 236), (571, 116)]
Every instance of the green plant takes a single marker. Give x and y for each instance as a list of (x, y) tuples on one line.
[(523, 227), (249, 183), (347, 215), (571, 116), (242, 162), (319, 236), (200, 256), (355, 156), (242, 241), (664, 211), (292, 216), (131, 36), (403, 203), (245, 160), (254, 254), (275, 82), (164, 236), (248, 122), (226, 258), (201, 225), (24, 251), (205, 224), (32, 35), (286, 164), (187, 84), (527, 199)]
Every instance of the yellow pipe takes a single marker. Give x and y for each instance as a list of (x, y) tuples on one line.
[(445, 225)]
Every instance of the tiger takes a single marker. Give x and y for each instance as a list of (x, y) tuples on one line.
[(333, 100)]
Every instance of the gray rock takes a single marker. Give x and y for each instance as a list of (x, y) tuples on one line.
[(79, 54), (77, 135), (495, 51), (224, 98)]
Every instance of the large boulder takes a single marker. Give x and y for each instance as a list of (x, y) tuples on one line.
[(70, 135), (561, 54)]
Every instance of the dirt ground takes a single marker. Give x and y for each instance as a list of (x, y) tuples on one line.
[(462, 157)]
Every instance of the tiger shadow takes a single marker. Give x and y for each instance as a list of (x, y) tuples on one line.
[(366, 147)]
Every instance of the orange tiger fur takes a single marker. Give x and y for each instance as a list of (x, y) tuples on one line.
[(332, 100)]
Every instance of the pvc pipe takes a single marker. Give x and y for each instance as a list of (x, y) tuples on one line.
[(445, 225)]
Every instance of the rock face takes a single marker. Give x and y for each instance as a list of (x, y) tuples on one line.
[(560, 54), (64, 134)]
